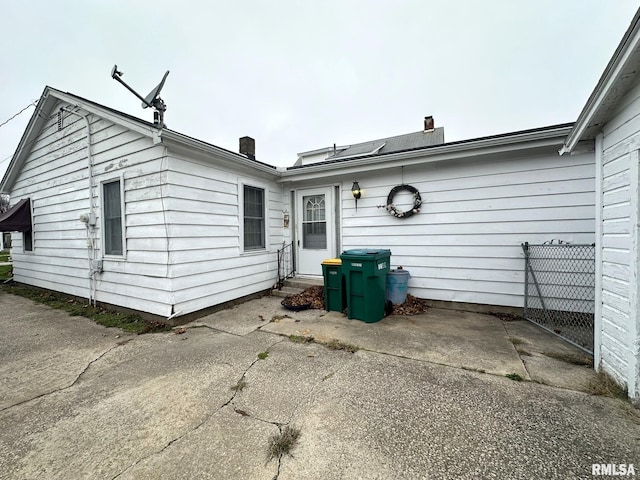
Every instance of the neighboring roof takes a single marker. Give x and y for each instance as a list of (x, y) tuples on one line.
[(50, 97), (393, 144), (616, 80), (383, 145), (17, 218), (550, 135)]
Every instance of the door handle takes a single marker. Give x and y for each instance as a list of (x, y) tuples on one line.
[(298, 242)]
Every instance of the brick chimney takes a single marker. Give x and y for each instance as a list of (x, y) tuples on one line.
[(428, 124), (248, 147)]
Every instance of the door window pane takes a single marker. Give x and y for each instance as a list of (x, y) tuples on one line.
[(314, 225)]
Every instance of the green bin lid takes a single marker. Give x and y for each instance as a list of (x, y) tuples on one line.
[(366, 251)]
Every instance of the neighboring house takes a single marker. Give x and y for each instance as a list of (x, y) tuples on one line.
[(127, 213), (610, 124)]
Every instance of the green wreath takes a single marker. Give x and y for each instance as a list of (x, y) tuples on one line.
[(417, 201)]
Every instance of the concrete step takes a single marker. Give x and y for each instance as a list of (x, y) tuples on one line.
[(303, 283), (286, 291), (296, 285)]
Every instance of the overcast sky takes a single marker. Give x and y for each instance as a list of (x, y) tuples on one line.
[(298, 75)]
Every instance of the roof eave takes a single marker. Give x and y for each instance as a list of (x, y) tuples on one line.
[(170, 137), (604, 91)]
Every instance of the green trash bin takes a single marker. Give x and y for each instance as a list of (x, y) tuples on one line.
[(365, 272), (334, 291)]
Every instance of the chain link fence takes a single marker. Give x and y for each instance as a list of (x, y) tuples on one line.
[(560, 290)]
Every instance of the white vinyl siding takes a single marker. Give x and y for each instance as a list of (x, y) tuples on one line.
[(55, 177), (205, 221), (465, 243), (619, 249)]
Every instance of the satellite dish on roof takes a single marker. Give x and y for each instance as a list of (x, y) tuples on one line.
[(154, 94), (152, 100)]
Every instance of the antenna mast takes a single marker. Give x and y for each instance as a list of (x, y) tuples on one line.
[(152, 100)]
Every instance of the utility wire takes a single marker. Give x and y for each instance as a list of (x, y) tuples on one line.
[(8, 120)]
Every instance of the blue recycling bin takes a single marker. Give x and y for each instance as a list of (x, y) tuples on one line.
[(397, 284)]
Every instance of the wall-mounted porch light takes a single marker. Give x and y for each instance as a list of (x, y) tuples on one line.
[(356, 192)]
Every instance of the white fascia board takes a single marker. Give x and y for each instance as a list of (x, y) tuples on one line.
[(607, 81), (35, 123), (170, 138), (148, 131), (486, 146)]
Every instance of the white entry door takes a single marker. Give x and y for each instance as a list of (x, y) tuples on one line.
[(314, 229)]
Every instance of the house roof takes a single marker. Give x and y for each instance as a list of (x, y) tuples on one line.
[(418, 147), (617, 79), (50, 98)]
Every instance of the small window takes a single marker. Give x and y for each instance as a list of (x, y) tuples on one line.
[(27, 241), (254, 225), (112, 212)]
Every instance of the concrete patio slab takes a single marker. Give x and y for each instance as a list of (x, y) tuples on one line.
[(199, 402), (459, 339)]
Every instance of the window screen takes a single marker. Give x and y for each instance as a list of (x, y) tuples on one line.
[(112, 218), (254, 227)]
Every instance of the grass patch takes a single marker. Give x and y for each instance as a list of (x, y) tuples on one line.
[(300, 339), (4, 256), (606, 386), (129, 322), (238, 387), (6, 272), (338, 345), (516, 341), (282, 442), (575, 359), (514, 376), (263, 355)]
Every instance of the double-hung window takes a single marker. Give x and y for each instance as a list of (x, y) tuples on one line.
[(254, 222), (112, 214)]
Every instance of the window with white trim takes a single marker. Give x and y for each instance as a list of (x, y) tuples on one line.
[(254, 218), (112, 218)]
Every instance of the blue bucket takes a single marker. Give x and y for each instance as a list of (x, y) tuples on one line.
[(397, 282)]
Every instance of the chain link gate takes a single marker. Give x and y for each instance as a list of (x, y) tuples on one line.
[(559, 292)]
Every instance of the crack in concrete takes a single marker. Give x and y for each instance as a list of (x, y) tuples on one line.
[(204, 420), (203, 325), (524, 365), (84, 370)]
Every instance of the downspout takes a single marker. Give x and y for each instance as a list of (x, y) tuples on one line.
[(91, 221)]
